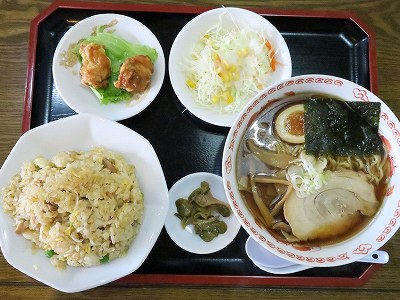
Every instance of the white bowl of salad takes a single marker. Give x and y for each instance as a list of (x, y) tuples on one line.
[(224, 57), (122, 39)]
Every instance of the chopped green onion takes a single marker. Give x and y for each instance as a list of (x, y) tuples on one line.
[(50, 253), (104, 259), (308, 174)]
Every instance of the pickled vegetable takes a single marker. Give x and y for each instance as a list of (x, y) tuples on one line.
[(202, 211)]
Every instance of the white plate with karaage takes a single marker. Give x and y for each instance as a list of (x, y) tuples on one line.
[(79, 96)]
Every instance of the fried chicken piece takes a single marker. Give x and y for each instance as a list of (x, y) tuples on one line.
[(135, 74), (96, 66)]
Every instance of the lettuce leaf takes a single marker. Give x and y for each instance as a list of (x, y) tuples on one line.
[(118, 50)]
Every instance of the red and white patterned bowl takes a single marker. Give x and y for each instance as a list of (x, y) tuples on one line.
[(384, 224)]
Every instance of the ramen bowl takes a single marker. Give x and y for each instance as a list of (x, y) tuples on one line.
[(381, 226)]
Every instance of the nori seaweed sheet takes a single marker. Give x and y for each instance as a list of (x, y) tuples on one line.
[(332, 126)]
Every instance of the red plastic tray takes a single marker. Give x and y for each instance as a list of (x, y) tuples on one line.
[(333, 43)]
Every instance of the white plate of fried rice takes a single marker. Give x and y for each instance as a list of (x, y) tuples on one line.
[(86, 191)]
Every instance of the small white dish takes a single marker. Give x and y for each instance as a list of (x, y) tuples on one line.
[(80, 97), (81, 133), (191, 34), (186, 238)]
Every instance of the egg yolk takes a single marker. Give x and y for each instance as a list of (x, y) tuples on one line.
[(295, 123)]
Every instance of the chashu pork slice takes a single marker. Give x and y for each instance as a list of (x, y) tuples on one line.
[(332, 210)]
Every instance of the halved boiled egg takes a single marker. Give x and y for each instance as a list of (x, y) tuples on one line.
[(289, 124)]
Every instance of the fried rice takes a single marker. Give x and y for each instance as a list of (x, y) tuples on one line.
[(82, 208)]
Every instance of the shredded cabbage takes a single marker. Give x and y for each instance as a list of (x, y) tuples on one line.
[(118, 50), (227, 67), (308, 174)]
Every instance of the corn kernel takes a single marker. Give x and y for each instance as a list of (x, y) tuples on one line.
[(232, 68), (224, 76), (190, 83), (236, 76), (225, 64), (227, 97), (215, 99), (215, 57)]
